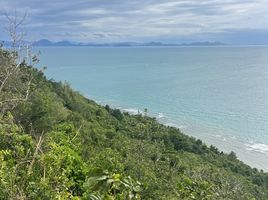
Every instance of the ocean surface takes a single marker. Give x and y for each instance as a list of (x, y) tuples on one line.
[(217, 94)]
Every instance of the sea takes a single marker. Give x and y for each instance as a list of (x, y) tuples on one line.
[(218, 94)]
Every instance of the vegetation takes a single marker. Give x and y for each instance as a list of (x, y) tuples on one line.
[(59, 145)]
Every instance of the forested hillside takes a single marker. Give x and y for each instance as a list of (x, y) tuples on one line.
[(57, 144)]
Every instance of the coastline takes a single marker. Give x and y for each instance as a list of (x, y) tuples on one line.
[(253, 154)]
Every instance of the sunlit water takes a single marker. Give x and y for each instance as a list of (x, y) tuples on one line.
[(218, 94)]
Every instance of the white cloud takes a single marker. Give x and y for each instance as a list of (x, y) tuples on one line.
[(131, 19)]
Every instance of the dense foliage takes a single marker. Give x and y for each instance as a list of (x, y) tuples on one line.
[(60, 145)]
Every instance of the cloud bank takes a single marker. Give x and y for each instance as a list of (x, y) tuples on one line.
[(231, 21)]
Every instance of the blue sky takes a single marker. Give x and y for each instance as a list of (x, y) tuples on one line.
[(230, 21)]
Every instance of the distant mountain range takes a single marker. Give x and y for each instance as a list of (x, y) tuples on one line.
[(48, 43), (45, 42)]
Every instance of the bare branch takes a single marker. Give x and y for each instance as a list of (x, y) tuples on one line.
[(15, 82), (37, 149)]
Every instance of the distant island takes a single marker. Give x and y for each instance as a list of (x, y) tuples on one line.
[(48, 43)]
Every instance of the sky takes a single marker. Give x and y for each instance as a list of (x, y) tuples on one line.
[(169, 21)]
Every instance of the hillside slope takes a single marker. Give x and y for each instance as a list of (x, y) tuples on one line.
[(61, 145)]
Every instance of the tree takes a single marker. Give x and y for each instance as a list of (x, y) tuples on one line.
[(232, 155), (15, 74)]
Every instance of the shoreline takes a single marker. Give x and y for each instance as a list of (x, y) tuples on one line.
[(253, 154), (250, 153)]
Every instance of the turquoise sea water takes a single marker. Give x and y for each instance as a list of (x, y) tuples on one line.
[(218, 94)]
